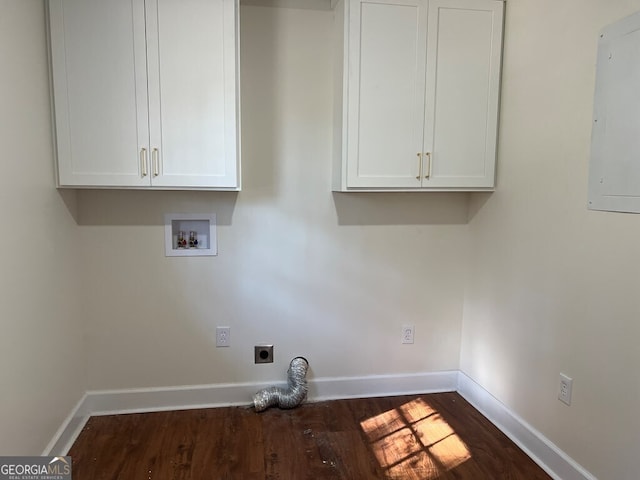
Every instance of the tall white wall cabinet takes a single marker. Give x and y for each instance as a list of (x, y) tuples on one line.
[(417, 85), (146, 93)]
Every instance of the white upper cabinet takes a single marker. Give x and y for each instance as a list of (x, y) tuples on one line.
[(417, 102), (145, 93)]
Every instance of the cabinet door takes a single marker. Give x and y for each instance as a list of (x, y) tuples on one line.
[(464, 47), (191, 49), (387, 42), (100, 94)]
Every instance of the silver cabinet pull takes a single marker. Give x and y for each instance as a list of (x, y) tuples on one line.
[(156, 163), (428, 168), (143, 162), (419, 166)]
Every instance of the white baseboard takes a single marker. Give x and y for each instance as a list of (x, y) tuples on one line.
[(139, 400), (333, 388), (541, 450), (69, 430), (104, 402)]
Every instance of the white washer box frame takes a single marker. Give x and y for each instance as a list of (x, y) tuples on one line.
[(203, 224)]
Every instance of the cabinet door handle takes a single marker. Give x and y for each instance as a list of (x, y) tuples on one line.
[(156, 163), (419, 167), (143, 162), (428, 168)]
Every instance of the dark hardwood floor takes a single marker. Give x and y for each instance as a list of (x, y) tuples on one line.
[(418, 437)]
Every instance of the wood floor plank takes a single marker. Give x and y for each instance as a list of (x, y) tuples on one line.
[(418, 437)]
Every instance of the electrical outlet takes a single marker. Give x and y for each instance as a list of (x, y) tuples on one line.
[(223, 336), (566, 384), (407, 333)]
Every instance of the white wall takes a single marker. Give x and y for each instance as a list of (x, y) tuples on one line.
[(554, 287), (42, 371), (331, 277)]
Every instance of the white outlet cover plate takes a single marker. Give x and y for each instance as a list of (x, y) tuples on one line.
[(408, 333), (223, 336), (566, 385)]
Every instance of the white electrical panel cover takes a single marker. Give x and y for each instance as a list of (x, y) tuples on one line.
[(614, 172)]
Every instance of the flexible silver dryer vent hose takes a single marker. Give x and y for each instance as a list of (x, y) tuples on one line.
[(290, 398)]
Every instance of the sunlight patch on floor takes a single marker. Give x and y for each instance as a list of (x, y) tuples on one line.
[(413, 441)]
